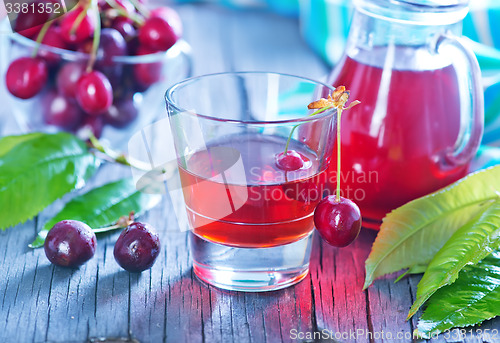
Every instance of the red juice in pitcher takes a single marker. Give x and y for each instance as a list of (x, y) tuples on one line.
[(394, 142)]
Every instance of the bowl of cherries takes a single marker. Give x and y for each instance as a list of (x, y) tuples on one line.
[(103, 66)]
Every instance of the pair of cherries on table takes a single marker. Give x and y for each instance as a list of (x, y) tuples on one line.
[(95, 90), (71, 243)]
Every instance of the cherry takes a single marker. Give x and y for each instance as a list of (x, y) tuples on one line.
[(52, 38), (137, 247), (82, 31), (68, 76), (61, 111), (26, 77), (171, 16), (85, 46), (94, 93), (94, 124), (157, 34), (121, 113), (289, 161), (147, 74), (338, 222), (111, 44), (70, 243), (126, 29), (30, 22)]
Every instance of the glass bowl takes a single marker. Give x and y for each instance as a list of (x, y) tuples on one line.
[(138, 82)]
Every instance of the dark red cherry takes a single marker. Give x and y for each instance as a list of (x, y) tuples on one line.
[(289, 161), (68, 76), (94, 93), (29, 22), (60, 111), (52, 38), (121, 113), (137, 247), (126, 29), (147, 74), (157, 34), (90, 124), (111, 44), (170, 16), (85, 46), (26, 77), (338, 223), (82, 31), (70, 243)]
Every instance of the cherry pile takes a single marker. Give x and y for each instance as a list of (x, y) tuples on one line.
[(95, 90), (71, 243)]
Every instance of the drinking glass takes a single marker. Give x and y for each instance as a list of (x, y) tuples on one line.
[(250, 221)]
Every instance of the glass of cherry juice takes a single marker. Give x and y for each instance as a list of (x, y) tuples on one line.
[(250, 212)]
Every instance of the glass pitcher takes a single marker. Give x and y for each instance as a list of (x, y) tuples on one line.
[(420, 120)]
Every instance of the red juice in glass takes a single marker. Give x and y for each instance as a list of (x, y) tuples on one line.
[(267, 207), (393, 143)]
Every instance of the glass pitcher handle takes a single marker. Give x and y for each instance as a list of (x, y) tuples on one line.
[(471, 99)]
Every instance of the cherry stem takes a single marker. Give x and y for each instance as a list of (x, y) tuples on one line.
[(135, 18), (79, 18), (140, 8), (339, 115), (96, 39), (40, 36), (296, 126), (122, 223), (114, 156)]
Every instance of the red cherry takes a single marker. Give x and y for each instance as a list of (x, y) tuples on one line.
[(82, 31), (126, 29), (26, 77), (61, 111), (67, 78), (157, 34), (122, 113), (171, 16), (85, 46), (52, 38), (93, 123), (338, 222), (94, 93), (147, 74), (289, 161), (30, 22)]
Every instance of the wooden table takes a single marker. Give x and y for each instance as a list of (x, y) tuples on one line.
[(43, 303)]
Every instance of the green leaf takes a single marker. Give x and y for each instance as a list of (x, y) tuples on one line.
[(471, 299), (469, 245), (412, 234), (7, 143), (36, 170), (102, 206), (416, 269)]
